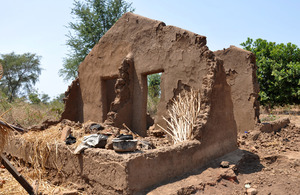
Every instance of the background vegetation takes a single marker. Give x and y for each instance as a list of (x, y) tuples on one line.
[(20, 73), (154, 93), (25, 113), (20, 102), (278, 71)]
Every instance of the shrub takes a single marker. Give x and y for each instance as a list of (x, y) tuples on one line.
[(183, 114)]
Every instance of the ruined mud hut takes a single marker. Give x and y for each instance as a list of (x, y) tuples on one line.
[(112, 82), (112, 88)]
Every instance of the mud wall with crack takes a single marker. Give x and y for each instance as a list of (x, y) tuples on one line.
[(73, 102), (241, 69), (145, 47)]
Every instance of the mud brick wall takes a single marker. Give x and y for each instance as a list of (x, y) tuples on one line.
[(240, 69)]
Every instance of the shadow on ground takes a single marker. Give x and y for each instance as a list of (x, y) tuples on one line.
[(240, 162)]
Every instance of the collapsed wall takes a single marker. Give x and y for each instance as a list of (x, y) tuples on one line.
[(100, 171), (151, 47), (240, 69)]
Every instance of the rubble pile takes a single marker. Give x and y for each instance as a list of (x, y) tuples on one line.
[(98, 135), (282, 140)]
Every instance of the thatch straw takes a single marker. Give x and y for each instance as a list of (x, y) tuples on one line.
[(42, 143), (183, 114), (45, 142)]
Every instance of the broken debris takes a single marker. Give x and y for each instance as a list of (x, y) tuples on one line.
[(92, 141), (124, 143), (70, 140)]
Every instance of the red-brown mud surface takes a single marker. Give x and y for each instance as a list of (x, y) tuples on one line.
[(270, 162)]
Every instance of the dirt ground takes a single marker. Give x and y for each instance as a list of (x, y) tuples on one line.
[(267, 163)]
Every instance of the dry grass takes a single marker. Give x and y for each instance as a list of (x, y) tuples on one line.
[(42, 144), (183, 114), (27, 114), (287, 109), (12, 187), (45, 142)]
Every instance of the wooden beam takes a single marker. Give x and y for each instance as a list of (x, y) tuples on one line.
[(24, 183)]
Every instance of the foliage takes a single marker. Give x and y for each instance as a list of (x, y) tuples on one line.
[(45, 98), (278, 71), (183, 114), (154, 85), (153, 93), (21, 72), (34, 98), (93, 19)]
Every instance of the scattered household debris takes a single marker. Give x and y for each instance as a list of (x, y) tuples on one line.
[(124, 143), (224, 164), (70, 140), (91, 141), (145, 145), (92, 127)]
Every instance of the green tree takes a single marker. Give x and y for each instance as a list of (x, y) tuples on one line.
[(93, 19), (278, 71), (34, 98), (154, 92), (45, 98), (154, 85), (57, 104), (20, 73)]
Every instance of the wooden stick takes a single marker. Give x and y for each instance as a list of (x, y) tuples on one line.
[(130, 130), (6, 112), (13, 127)]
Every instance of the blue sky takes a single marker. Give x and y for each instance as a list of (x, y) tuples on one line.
[(38, 26)]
